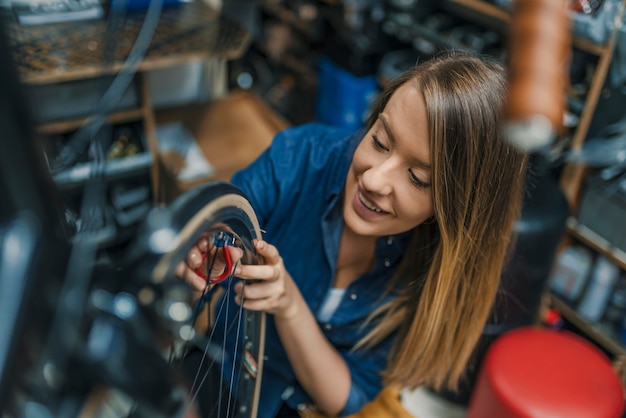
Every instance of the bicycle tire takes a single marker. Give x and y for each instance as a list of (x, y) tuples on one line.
[(168, 235), (216, 206)]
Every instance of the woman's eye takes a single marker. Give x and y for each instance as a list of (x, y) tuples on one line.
[(417, 182), (378, 145)]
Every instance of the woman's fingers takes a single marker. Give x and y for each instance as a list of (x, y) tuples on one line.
[(215, 259), (260, 290), (259, 296), (268, 251), (236, 254), (203, 244), (268, 281), (267, 286), (258, 272), (266, 305), (270, 270), (194, 257), (190, 277)]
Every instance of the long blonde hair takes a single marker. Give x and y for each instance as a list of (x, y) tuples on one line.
[(451, 271)]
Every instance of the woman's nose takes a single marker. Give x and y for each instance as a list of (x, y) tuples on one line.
[(378, 179)]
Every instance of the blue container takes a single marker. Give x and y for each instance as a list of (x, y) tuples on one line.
[(343, 99), (139, 5)]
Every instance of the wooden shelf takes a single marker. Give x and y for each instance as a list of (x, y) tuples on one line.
[(54, 53), (592, 331), (596, 242), (588, 46), (65, 126)]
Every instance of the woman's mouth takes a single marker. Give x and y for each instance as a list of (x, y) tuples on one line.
[(365, 208), (368, 204)]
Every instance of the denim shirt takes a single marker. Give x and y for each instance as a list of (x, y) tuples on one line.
[(295, 188)]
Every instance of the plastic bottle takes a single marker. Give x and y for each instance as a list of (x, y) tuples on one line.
[(571, 272), (603, 278)]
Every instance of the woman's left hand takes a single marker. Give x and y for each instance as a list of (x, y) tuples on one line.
[(270, 287), (198, 256)]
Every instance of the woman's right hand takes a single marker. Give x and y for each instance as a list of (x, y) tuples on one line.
[(199, 257)]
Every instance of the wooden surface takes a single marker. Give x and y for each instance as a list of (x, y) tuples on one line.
[(74, 50)]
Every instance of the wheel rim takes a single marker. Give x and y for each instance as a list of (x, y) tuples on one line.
[(232, 213)]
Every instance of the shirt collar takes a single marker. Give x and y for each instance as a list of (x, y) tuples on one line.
[(340, 169)]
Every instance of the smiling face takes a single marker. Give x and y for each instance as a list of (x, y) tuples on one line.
[(388, 187)]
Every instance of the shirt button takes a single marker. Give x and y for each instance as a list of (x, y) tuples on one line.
[(305, 408), (387, 262), (287, 393), (389, 240), (353, 296), (328, 327)]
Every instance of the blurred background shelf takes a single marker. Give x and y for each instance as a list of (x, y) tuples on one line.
[(601, 335), (112, 170), (62, 126), (596, 242)]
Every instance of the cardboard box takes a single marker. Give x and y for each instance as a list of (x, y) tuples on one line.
[(231, 133)]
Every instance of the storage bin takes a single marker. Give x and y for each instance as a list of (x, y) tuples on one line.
[(343, 99)]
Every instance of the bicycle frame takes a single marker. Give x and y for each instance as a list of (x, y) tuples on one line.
[(43, 300), (33, 251)]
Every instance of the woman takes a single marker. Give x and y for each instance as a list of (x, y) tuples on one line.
[(383, 249)]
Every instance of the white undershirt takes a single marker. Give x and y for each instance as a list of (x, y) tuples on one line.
[(330, 304)]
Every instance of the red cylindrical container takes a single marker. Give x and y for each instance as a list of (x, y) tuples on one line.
[(534, 372)]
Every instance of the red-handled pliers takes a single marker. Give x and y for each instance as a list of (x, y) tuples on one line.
[(219, 243)]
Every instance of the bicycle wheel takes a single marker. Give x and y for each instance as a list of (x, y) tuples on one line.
[(207, 212)]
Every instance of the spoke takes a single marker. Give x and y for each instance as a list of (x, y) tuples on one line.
[(232, 372), (206, 348), (195, 390), (219, 401), (228, 327)]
